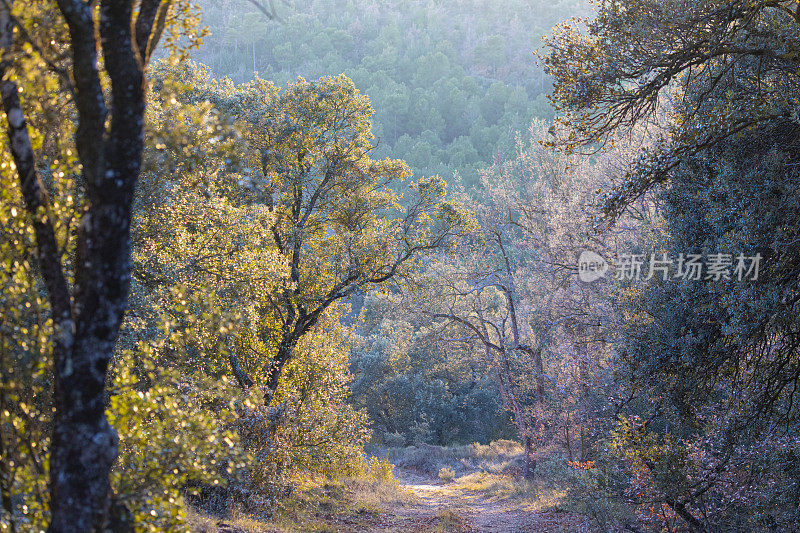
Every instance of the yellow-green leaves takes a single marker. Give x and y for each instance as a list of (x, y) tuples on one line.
[(173, 435)]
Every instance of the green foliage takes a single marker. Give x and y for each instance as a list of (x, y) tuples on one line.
[(703, 357), (501, 457), (634, 58), (700, 350), (662, 459), (431, 70), (272, 213), (173, 434), (417, 389), (711, 364), (36, 63), (25, 365), (380, 469), (323, 431)]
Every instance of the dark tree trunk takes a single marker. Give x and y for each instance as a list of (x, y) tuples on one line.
[(84, 445), (529, 466), (282, 356), (695, 525), (567, 439), (88, 316), (302, 324), (539, 366)]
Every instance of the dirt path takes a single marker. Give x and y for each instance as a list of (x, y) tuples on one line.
[(447, 507), (425, 505)]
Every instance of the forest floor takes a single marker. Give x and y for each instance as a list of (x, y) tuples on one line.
[(460, 506), (484, 494), (424, 505)]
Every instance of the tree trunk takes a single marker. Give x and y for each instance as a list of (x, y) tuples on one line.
[(523, 426), (567, 439), (583, 443), (695, 525), (282, 356), (539, 365), (529, 466), (86, 319), (583, 377), (84, 445)]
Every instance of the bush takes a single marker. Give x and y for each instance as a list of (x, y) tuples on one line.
[(500, 456), (381, 469), (446, 475), (394, 440), (172, 435)]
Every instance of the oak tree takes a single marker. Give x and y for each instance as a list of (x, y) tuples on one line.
[(90, 59)]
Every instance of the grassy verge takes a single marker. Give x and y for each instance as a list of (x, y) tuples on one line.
[(320, 504)]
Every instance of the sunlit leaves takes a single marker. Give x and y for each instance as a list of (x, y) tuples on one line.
[(173, 434)]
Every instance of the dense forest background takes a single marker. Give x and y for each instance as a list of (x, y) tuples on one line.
[(452, 83)]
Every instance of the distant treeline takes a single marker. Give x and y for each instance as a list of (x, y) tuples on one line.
[(452, 83)]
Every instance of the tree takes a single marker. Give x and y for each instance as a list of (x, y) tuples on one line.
[(87, 292), (513, 291), (284, 220), (368, 41), (203, 245), (334, 219), (417, 386), (639, 55), (484, 301), (716, 360)]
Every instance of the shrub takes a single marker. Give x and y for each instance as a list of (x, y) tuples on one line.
[(170, 437), (446, 475), (381, 469), (393, 440)]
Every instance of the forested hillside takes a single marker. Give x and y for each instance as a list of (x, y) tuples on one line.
[(452, 83), (375, 267)]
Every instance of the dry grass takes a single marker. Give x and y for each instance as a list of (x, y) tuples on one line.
[(499, 456), (493, 470), (542, 495), (446, 475), (472, 477), (448, 521), (320, 505)]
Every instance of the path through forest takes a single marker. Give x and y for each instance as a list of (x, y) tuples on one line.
[(450, 507)]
